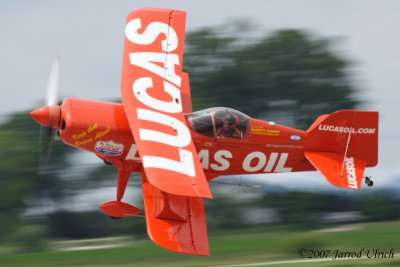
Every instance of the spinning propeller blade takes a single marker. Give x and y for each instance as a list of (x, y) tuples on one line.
[(53, 84), (49, 116)]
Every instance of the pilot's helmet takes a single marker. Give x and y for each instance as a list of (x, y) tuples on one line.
[(232, 119)]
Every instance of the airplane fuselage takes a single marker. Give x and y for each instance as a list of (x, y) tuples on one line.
[(102, 128)]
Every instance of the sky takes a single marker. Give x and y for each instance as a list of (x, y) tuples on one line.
[(87, 37)]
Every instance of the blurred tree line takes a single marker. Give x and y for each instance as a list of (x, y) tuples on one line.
[(307, 210), (290, 76)]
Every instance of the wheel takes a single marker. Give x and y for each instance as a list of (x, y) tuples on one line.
[(107, 162), (370, 183)]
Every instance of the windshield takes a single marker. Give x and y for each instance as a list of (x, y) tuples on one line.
[(219, 122)]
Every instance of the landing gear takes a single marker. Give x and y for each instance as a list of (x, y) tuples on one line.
[(117, 209), (106, 161), (368, 181)]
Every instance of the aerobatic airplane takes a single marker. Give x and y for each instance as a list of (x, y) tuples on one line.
[(177, 151)]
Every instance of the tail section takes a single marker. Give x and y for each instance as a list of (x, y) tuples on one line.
[(342, 144), (339, 170)]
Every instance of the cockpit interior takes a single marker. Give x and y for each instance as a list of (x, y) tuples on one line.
[(219, 122)]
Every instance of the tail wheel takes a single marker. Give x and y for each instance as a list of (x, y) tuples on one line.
[(368, 181)]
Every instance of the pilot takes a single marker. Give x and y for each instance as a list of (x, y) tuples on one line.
[(229, 127)]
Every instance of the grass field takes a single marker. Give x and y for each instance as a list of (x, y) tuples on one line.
[(269, 246)]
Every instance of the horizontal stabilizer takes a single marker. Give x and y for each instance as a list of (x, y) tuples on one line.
[(341, 171)]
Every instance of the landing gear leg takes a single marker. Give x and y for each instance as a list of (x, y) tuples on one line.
[(117, 209), (368, 181)]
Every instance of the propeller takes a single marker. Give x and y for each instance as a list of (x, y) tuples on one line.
[(49, 116), (53, 84)]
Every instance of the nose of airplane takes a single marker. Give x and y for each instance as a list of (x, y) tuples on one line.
[(47, 116)]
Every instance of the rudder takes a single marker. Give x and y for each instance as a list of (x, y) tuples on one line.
[(349, 132), (342, 144)]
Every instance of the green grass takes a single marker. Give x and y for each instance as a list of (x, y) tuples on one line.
[(232, 247)]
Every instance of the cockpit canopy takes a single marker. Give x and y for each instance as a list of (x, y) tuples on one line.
[(219, 122)]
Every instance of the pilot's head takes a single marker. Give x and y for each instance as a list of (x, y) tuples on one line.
[(230, 120)]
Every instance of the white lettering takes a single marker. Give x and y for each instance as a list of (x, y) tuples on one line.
[(182, 137), (162, 64), (341, 129), (140, 87), (132, 153), (146, 60), (351, 172), (184, 166), (221, 158), (204, 156), (271, 162), (253, 162), (259, 157), (281, 164), (151, 33)]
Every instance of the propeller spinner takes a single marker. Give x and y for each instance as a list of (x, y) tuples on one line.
[(48, 116)]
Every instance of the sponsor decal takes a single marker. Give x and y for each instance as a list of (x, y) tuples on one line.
[(92, 133), (220, 158), (109, 148), (254, 162), (350, 172), (342, 129), (84, 133), (101, 134), (257, 161), (261, 130), (295, 137), (83, 142), (162, 60), (78, 135), (92, 127)]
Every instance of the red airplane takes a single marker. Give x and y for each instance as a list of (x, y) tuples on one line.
[(177, 151)]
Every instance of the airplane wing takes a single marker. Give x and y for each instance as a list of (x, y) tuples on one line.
[(177, 223), (185, 94), (152, 82)]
